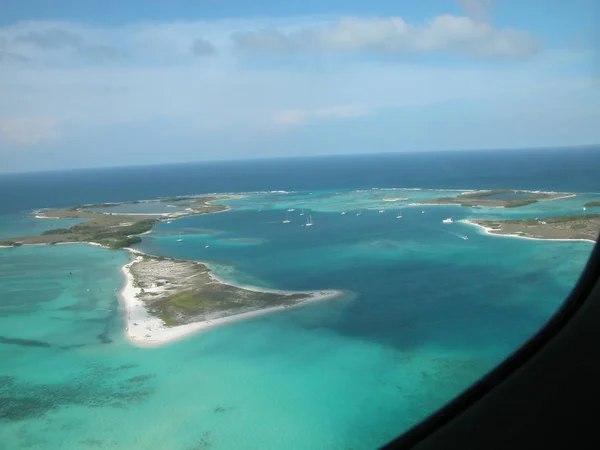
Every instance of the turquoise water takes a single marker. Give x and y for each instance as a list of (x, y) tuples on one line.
[(430, 313), (23, 224)]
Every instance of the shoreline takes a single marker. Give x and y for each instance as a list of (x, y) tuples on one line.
[(490, 232), (145, 330)]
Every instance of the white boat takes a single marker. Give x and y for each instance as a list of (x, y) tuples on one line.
[(344, 213), (584, 208), (302, 213), (180, 238), (291, 210), (207, 245), (448, 220), (287, 220), (399, 216), (423, 212), (309, 222), (381, 211), (465, 237), (359, 213), (168, 221)]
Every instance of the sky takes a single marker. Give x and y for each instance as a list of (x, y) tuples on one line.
[(95, 84)]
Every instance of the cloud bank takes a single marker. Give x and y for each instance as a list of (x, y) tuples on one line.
[(261, 87)]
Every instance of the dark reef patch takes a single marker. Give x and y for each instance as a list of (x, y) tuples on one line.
[(96, 388)]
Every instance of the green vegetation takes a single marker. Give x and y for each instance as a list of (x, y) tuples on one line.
[(481, 194), (594, 204), (557, 219), (56, 231), (515, 203), (9, 244), (125, 242)]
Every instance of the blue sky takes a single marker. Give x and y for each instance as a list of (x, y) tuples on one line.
[(89, 84)]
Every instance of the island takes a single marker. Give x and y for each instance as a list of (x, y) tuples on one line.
[(115, 230), (577, 227), (497, 198), (169, 298)]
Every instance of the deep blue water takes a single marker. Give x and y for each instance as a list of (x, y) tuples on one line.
[(570, 169)]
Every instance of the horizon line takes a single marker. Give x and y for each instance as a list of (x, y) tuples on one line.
[(327, 155)]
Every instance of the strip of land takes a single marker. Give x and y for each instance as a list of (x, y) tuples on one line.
[(114, 230), (581, 227), (498, 198), (167, 299)]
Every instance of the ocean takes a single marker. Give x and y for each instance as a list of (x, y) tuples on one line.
[(426, 314)]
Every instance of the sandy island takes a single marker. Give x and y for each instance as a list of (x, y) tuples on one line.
[(582, 228), (168, 299)]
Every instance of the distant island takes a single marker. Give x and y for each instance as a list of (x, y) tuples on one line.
[(497, 198), (580, 227)]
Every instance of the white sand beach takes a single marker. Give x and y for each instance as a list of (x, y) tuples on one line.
[(145, 330), (490, 231)]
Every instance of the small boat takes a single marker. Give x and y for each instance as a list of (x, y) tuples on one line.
[(381, 211), (207, 245), (423, 212), (448, 220), (344, 213), (287, 220), (584, 208), (302, 213), (399, 216), (168, 221), (359, 213), (180, 238), (309, 222), (291, 210), (464, 237)]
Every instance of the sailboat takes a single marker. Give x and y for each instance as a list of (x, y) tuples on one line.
[(359, 213), (180, 238), (309, 222), (302, 213), (448, 220), (207, 245), (381, 211), (287, 220), (344, 213), (399, 216)]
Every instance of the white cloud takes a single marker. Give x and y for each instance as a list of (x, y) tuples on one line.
[(302, 116), (29, 130), (446, 33), (145, 81)]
